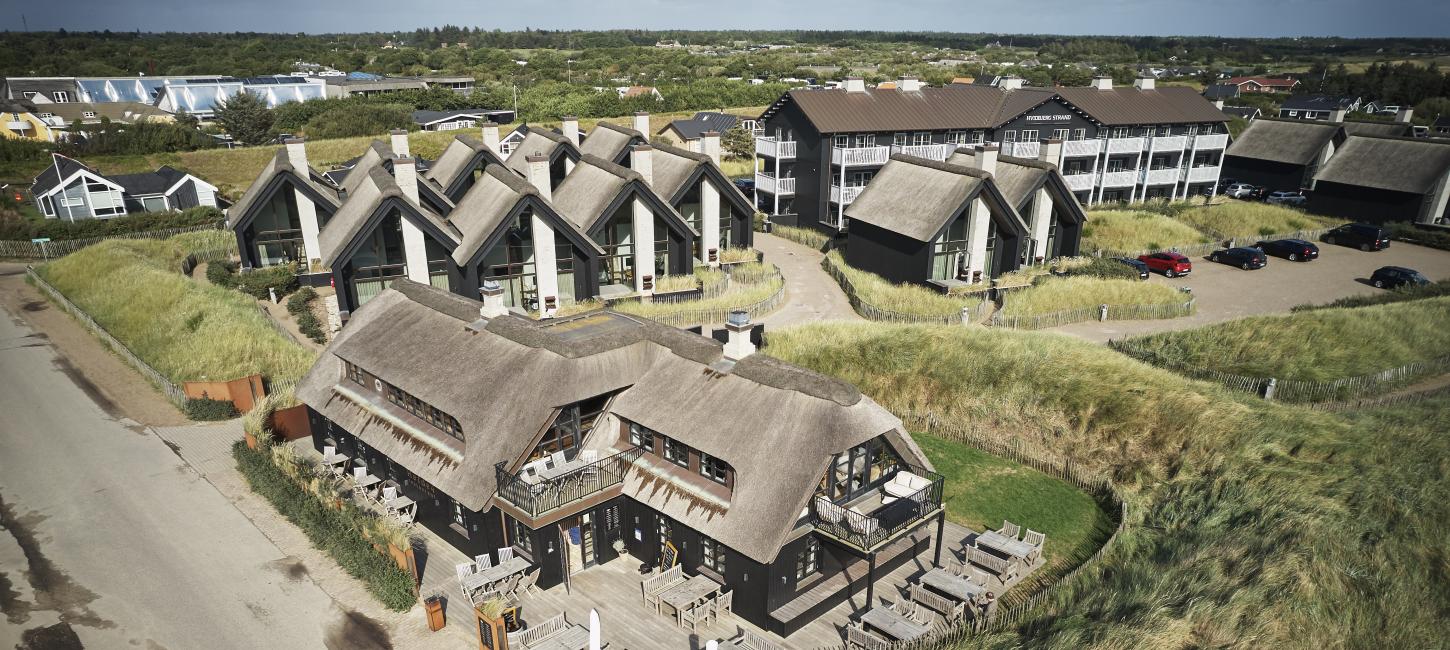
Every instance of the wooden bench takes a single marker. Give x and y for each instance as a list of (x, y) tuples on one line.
[(951, 610), (553, 634), (858, 637), (1004, 569), (753, 641), (655, 585)]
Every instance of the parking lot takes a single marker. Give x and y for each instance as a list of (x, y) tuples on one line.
[(1225, 292)]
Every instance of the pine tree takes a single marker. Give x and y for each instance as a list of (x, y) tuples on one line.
[(246, 117)]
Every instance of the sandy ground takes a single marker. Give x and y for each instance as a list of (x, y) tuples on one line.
[(811, 294)]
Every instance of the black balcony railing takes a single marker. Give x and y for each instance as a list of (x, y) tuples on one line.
[(869, 530), (539, 496)]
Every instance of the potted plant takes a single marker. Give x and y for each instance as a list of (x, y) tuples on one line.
[(619, 546), (492, 629)]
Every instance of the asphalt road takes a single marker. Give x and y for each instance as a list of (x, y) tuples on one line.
[(1225, 292), (109, 540)]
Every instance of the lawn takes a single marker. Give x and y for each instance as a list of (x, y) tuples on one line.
[(1251, 524), (1136, 230), (906, 299), (1248, 220), (1064, 294)]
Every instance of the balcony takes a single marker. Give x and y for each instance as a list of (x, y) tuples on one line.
[(1165, 176), (1082, 147), (1211, 141), (912, 496), (1169, 143), (784, 150), (1125, 178), (847, 195), (937, 152), (772, 185), (1126, 145), (1023, 149), (856, 156), (1079, 182), (548, 494), (1206, 174)]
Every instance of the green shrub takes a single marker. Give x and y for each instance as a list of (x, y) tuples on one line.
[(1084, 292), (338, 532), (1100, 267), (353, 121), (1399, 294), (204, 409), (297, 304), (14, 226), (221, 273), (256, 283), (906, 299), (1249, 219), (1136, 230), (311, 327), (1424, 237), (808, 237)]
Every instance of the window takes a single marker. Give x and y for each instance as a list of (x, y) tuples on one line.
[(808, 562), (457, 512), (423, 411), (898, 139), (1293, 113), (865, 140), (676, 452), (1191, 130), (1059, 134), (641, 437), (1079, 134), (949, 252), (1120, 132), (88, 114), (840, 141), (956, 137), (921, 138), (521, 536), (1165, 131), (662, 528), (1029, 135), (712, 555), (29, 94), (1009, 136), (713, 468), (60, 96), (977, 137), (611, 518), (354, 373), (46, 116)]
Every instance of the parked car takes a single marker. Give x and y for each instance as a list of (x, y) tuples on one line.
[(1169, 264), (1287, 198), (1294, 250), (1359, 235), (745, 185), (1138, 266), (1240, 190), (1390, 277), (1243, 257)]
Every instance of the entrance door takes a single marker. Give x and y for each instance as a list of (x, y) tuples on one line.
[(578, 533)]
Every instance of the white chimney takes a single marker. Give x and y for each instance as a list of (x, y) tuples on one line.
[(490, 136), (400, 143), (539, 174), (1218, 103), (405, 174), (738, 345), (1051, 151), (641, 162), (492, 294), (1103, 83), (1404, 114), (1144, 83), (986, 156), (297, 155), (570, 128), (908, 84), (641, 124), (710, 145), (1010, 83), (306, 209), (1337, 115), (855, 85), (415, 243)]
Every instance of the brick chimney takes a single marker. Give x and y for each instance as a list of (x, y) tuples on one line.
[(490, 136), (908, 84), (570, 129), (539, 174), (1010, 83), (492, 294), (1144, 83), (1404, 115), (737, 343), (641, 124), (400, 143), (855, 85), (710, 145), (986, 157), (1103, 83), (1051, 151), (640, 161)]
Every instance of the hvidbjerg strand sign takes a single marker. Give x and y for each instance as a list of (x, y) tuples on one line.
[(1049, 118)]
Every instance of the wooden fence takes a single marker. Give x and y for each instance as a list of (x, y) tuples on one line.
[(1348, 389), (970, 313), (54, 249), (1115, 312), (758, 309)]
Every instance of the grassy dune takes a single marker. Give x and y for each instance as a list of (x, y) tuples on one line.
[(1251, 524), (909, 299), (1062, 294), (1134, 230), (1245, 219)]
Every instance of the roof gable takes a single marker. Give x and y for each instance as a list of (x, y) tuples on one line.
[(1413, 165), (1294, 142)]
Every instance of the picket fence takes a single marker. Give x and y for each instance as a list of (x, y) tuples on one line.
[(1115, 312), (970, 314), (53, 249)]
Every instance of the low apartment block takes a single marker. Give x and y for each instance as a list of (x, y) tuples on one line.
[(821, 148)]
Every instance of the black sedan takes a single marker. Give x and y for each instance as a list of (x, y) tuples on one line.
[(745, 185), (1294, 250), (1393, 277), (1243, 257), (1140, 267)]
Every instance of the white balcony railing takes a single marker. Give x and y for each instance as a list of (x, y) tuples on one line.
[(1082, 147), (1023, 149), (937, 152), (852, 156), (1126, 145), (1166, 176), (847, 195), (1211, 141), (1203, 174), (768, 183), (1125, 178), (1079, 182), (784, 150), (1170, 143)]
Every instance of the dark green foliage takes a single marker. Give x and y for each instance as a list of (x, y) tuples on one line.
[(1103, 267), (221, 272), (246, 117), (205, 410), (353, 121), (338, 532), (14, 226), (1400, 294), (298, 302), (300, 307), (256, 283), (295, 116), (738, 143), (137, 139), (1425, 237)]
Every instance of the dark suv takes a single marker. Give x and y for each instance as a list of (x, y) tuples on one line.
[(1359, 235), (1391, 277)]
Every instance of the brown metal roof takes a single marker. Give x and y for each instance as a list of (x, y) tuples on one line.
[(1170, 105)]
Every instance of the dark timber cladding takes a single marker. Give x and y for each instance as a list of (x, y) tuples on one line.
[(1380, 179), (1281, 154), (456, 400)]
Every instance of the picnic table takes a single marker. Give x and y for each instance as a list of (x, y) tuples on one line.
[(953, 585), (400, 503), (1004, 544), (894, 625), (368, 481), (686, 594), (494, 574)]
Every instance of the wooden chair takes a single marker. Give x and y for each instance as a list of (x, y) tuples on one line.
[(389, 493), (654, 585), (406, 515), (696, 616), (483, 561), (464, 570), (528, 583), (753, 641), (725, 603), (1004, 569), (1036, 540), (505, 554), (858, 637), (1010, 529)]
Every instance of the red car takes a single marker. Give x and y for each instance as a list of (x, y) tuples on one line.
[(1170, 264)]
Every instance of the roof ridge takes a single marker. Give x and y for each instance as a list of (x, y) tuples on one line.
[(615, 127), (618, 170), (510, 179), (683, 153)]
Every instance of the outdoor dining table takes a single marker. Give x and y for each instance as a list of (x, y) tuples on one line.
[(368, 481), (686, 594), (1011, 546), (400, 503), (335, 459), (953, 585), (494, 574), (894, 625)]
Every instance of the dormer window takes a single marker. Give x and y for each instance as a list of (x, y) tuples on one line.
[(677, 452), (88, 114), (713, 468), (641, 437)]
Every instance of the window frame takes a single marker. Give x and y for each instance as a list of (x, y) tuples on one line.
[(715, 469), (808, 560), (712, 555), (676, 452)]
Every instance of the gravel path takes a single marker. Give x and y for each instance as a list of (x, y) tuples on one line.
[(811, 294)]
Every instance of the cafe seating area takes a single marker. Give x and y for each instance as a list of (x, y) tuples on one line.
[(369, 489)]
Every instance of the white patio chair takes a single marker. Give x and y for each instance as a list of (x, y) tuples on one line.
[(528, 583), (725, 603), (464, 569), (556, 459), (328, 451), (483, 561), (405, 516), (1010, 529), (505, 554), (359, 473), (389, 493)]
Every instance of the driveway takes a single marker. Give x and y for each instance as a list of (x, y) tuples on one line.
[(811, 294), (1224, 292)]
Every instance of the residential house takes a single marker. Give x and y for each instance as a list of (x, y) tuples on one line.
[(1441, 125), (822, 147), (562, 152), (23, 121), (694, 185), (196, 94), (1380, 179), (1263, 84), (686, 131), (1318, 107), (462, 164), (1381, 128), (71, 191), (50, 122), (460, 119), (1039, 194), (508, 143), (281, 213), (1282, 154), (765, 477), (459, 84), (613, 142), (630, 92), (42, 90), (1247, 113)]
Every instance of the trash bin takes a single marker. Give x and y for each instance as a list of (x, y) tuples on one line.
[(434, 606)]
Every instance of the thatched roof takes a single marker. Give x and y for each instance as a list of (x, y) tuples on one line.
[(1295, 142), (916, 197), (504, 378), (590, 188), (1017, 178), (373, 157), (279, 165), (1372, 127), (609, 141), (540, 141), (372, 189), (458, 159), (1411, 165), (489, 203)]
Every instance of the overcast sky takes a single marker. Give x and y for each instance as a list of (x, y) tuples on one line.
[(1160, 17)]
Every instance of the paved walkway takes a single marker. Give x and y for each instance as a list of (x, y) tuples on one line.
[(811, 294)]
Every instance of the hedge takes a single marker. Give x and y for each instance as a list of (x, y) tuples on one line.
[(204, 409), (16, 227), (300, 307), (256, 283)]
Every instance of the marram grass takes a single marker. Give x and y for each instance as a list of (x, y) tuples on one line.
[(909, 299), (1250, 220), (1134, 230), (1080, 292)]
